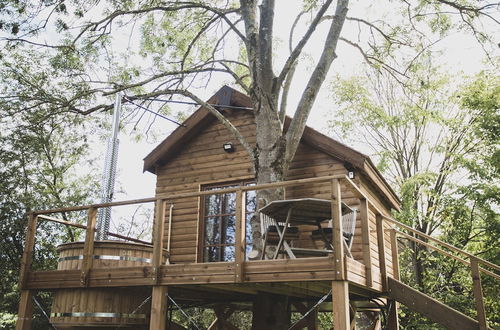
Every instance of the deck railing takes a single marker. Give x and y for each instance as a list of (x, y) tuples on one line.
[(158, 240), (476, 264)]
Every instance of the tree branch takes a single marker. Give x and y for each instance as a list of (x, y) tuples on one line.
[(317, 78), (298, 49)]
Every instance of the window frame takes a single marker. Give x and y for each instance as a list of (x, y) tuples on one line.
[(203, 216)]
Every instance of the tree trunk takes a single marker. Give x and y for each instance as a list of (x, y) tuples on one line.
[(270, 312), (269, 160)]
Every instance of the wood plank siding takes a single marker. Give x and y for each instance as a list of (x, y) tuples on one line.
[(202, 161)]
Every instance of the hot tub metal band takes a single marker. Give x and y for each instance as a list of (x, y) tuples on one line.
[(105, 257), (87, 314)]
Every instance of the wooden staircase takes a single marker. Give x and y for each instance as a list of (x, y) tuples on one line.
[(429, 307)]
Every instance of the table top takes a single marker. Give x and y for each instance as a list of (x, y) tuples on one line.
[(304, 210)]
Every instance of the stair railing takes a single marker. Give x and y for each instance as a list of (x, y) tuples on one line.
[(466, 258)]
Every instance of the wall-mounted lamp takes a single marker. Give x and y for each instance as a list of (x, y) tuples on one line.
[(351, 172), (228, 147)]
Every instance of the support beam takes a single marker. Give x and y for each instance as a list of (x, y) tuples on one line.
[(392, 317), (25, 311), (310, 321), (429, 307), (270, 312), (340, 305), (159, 304)]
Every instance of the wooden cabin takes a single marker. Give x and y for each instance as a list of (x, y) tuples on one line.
[(193, 159), (201, 253)]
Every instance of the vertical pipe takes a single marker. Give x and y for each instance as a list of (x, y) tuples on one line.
[(170, 211), (109, 172)]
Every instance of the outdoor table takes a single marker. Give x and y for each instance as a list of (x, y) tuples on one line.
[(304, 211)]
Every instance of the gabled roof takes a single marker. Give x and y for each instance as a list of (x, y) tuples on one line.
[(227, 96)]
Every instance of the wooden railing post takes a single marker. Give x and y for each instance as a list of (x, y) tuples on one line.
[(159, 299), (29, 245), (240, 239), (25, 308), (381, 250), (395, 254), (366, 241), (88, 248), (393, 320), (158, 233), (338, 237), (478, 293)]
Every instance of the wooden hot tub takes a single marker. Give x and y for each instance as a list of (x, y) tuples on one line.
[(102, 307)]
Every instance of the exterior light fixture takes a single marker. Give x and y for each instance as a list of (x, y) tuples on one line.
[(228, 147), (351, 172)]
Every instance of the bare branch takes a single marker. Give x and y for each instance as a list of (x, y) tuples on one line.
[(318, 76), (371, 59), (298, 49)]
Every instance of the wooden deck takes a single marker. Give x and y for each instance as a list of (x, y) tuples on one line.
[(262, 271)]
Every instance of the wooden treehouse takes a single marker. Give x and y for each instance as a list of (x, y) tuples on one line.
[(332, 238)]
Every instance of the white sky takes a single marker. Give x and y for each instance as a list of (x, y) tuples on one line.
[(461, 53)]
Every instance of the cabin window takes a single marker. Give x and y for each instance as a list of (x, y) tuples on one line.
[(219, 223)]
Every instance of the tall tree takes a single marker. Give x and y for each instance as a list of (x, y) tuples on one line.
[(37, 171), (438, 143)]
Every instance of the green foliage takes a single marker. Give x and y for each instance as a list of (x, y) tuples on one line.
[(41, 167), (438, 144)]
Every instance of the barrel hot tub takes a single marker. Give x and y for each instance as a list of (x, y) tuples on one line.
[(102, 307)]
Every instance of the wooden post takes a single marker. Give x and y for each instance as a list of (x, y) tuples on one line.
[(478, 293), (88, 248), (338, 237), (395, 254), (159, 304), (365, 238), (158, 233), (340, 305), (159, 299), (240, 240), (381, 251), (25, 310), (393, 320), (29, 245)]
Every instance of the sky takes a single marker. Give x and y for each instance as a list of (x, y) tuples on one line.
[(460, 53)]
